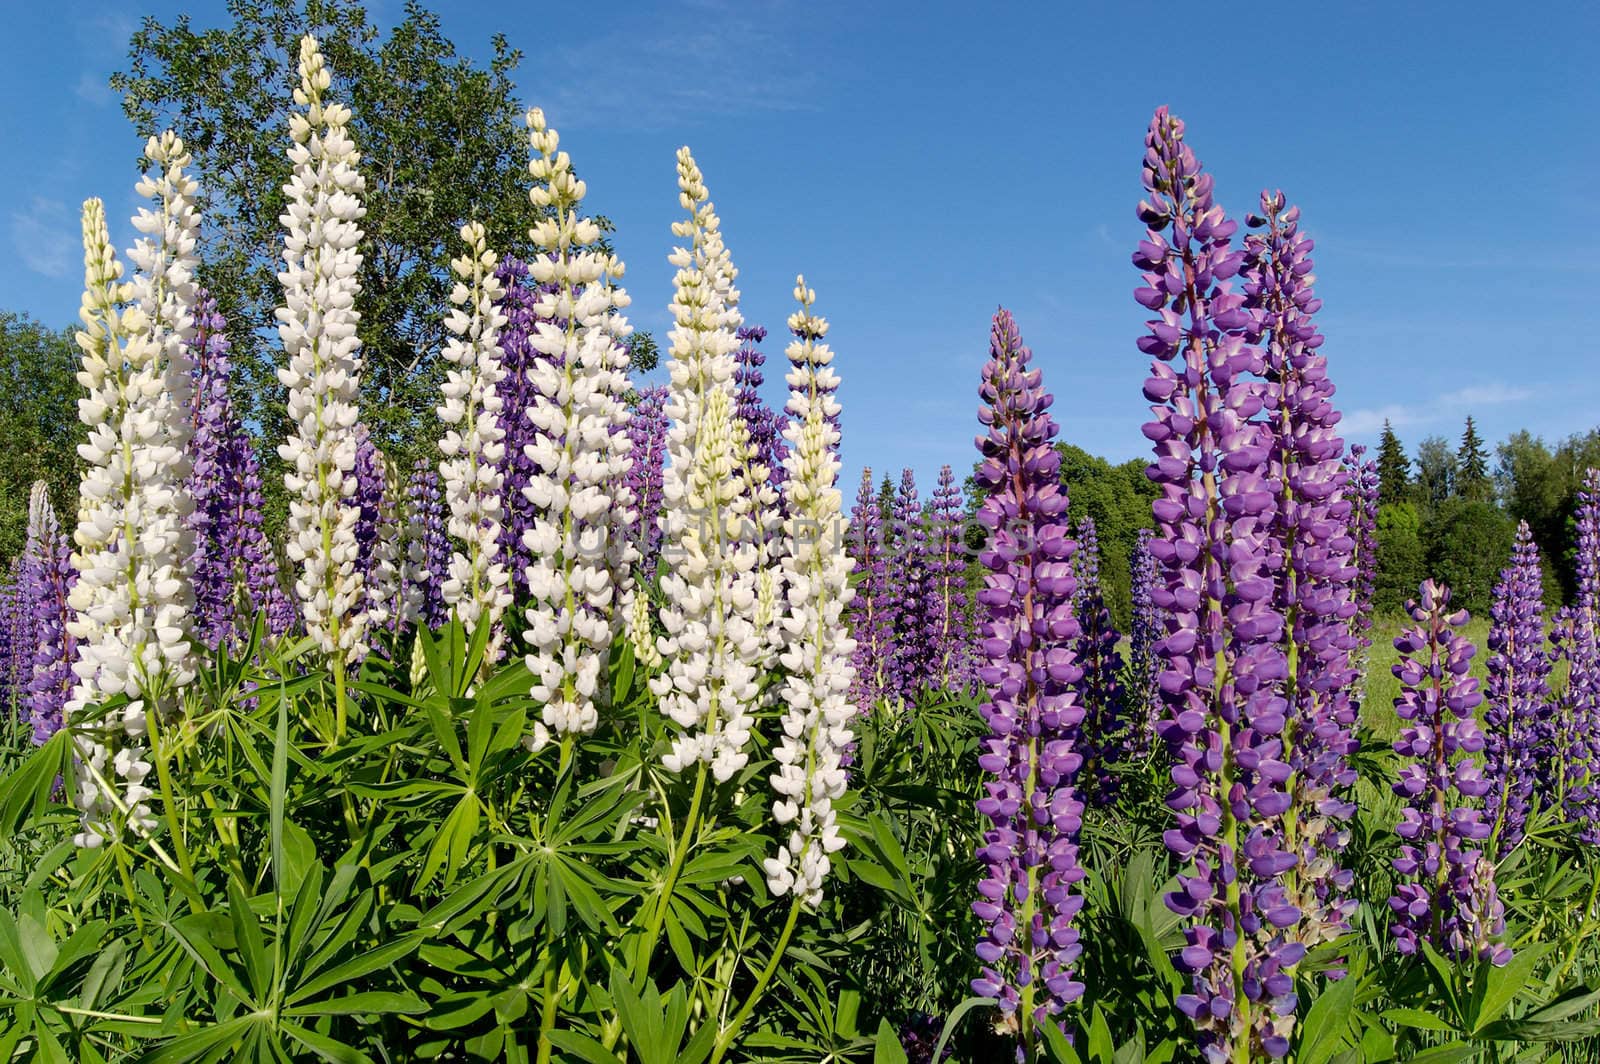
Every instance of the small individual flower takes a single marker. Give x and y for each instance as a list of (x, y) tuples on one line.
[(42, 594), (132, 601), (1519, 693), (317, 323), (1027, 633), (816, 657), (872, 613), (1445, 890), (477, 587), (580, 576)]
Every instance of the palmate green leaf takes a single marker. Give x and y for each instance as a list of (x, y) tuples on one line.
[(201, 1044), (1494, 989), (886, 1048), (25, 791), (582, 1047), (356, 967), (363, 1003), (1329, 1024), (329, 1049)]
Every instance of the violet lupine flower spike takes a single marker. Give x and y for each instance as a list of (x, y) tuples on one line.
[(1315, 589), (1142, 688), (872, 615), (580, 576), (1222, 665), (1445, 894), (764, 425), (375, 533), (816, 657), (426, 514), (1027, 631), (234, 570), (1104, 737), (477, 587), (1576, 736), (647, 429), (953, 660), (519, 305), (1519, 694), (910, 584), (45, 581), (317, 324), (1364, 477)]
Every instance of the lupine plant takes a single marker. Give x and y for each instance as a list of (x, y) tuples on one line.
[(1027, 630), (872, 618), (1517, 716), (1105, 737), (42, 597)]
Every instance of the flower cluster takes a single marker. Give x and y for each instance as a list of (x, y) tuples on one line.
[(377, 532), (764, 425), (872, 615), (911, 600), (1027, 632), (580, 575), (43, 674), (1519, 693), (1364, 480), (1575, 734), (1105, 735), (816, 657), (317, 323), (1445, 894), (233, 567), (1142, 689), (1222, 665), (132, 600), (426, 557), (519, 307), (647, 434), (477, 587), (1312, 548), (953, 660)]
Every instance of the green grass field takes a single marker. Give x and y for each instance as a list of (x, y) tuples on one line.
[(1382, 688)]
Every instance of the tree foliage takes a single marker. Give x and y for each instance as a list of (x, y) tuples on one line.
[(1468, 542), (38, 422), (442, 142), (1118, 498), (1402, 563), (1436, 472), (1472, 467), (1394, 468)]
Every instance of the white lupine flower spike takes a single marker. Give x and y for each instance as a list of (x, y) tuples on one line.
[(133, 599), (317, 323), (581, 577), (816, 692), (713, 645), (478, 586)]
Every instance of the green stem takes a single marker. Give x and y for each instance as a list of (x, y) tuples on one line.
[(547, 1014), (727, 1036), (1583, 932)]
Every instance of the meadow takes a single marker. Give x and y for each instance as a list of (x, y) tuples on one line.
[(603, 728)]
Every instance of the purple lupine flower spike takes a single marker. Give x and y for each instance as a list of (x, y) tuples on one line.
[(517, 395), (235, 571), (425, 510), (1519, 693), (8, 638), (952, 635), (1027, 633), (763, 424), (910, 585), (871, 612), (1311, 530), (1577, 638), (647, 430), (1142, 689), (46, 578), (1365, 532), (1104, 737), (1222, 663), (1445, 890)]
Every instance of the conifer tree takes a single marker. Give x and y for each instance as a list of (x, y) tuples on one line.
[(1472, 467), (1394, 468)]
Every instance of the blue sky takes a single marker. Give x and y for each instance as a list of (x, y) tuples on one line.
[(923, 164)]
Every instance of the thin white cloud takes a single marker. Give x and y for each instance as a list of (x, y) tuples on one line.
[(745, 58), (44, 237), (1449, 405), (93, 90)]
